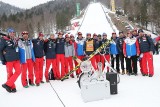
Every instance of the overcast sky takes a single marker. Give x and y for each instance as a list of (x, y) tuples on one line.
[(25, 4)]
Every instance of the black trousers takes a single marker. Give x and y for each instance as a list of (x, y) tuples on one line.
[(121, 56), (117, 62), (132, 63)]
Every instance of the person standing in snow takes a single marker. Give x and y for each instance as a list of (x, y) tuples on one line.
[(60, 55), (114, 51), (97, 43), (79, 50), (69, 53), (106, 50), (134, 33), (9, 55), (131, 51), (146, 50), (38, 46), (89, 47), (50, 53), (27, 59), (74, 43), (120, 41)]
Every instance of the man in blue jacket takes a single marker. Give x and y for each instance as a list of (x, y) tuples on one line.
[(131, 51), (120, 41), (60, 59), (114, 51), (79, 50), (105, 51), (38, 46), (89, 47), (27, 59), (146, 49), (9, 55), (50, 52)]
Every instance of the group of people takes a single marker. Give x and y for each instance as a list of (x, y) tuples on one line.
[(25, 54)]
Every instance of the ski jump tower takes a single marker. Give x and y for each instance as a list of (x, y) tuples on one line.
[(113, 5)]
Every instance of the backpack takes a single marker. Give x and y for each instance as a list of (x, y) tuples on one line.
[(51, 75)]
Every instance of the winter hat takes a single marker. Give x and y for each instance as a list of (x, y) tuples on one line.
[(104, 34), (99, 35), (40, 34), (134, 30), (10, 30), (71, 36), (24, 32), (129, 32), (66, 36), (140, 30), (120, 32), (94, 34), (60, 33), (79, 33), (113, 33), (88, 34)]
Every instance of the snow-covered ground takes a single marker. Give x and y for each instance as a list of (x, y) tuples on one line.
[(133, 91), (95, 21)]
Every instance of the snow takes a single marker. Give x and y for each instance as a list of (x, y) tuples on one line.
[(95, 21), (133, 91)]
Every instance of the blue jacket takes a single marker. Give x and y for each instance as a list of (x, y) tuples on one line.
[(146, 44), (8, 50), (22, 51), (80, 50), (120, 45), (113, 47), (38, 46), (130, 48), (50, 49), (60, 45)]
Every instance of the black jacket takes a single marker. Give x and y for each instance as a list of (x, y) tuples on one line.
[(8, 50), (50, 49), (120, 45), (97, 44), (146, 44), (106, 50), (38, 47), (60, 45)]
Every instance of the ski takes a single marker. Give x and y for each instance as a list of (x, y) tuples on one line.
[(88, 58)]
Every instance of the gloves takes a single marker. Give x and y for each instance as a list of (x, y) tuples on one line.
[(140, 57), (129, 57)]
